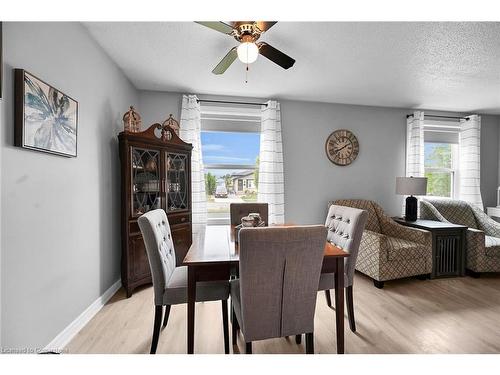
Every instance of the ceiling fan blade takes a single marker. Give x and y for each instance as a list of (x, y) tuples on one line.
[(217, 26), (265, 25), (226, 61), (275, 55)]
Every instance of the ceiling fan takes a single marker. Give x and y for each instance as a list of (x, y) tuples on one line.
[(247, 33)]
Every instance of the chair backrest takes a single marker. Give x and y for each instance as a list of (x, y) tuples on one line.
[(345, 229), (372, 208), (155, 231), (279, 277), (239, 210), (429, 212), (455, 211)]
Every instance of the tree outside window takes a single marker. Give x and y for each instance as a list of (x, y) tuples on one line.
[(210, 183), (440, 169)]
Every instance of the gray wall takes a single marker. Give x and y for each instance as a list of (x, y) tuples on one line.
[(490, 132), (60, 216), (155, 106), (311, 179)]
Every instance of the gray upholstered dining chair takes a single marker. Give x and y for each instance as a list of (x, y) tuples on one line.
[(275, 295), (345, 227), (239, 210), (170, 282)]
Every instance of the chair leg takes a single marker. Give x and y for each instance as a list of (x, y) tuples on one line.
[(309, 343), (248, 348), (328, 298), (234, 327), (378, 284), (350, 308), (298, 339), (473, 274), (167, 314), (225, 326), (156, 328)]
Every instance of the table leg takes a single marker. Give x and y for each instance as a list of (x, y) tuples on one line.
[(190, 308), (339, 304)]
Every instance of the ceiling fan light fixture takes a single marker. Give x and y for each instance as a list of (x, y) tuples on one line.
[(247, 33), (248, 52)]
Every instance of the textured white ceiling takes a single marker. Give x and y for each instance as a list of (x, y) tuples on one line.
[(441, 66)]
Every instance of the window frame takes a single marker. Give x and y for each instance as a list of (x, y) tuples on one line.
[(229, 119), (453, 174), (453, 129)]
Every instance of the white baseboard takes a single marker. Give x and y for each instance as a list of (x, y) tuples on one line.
[(63, 338)]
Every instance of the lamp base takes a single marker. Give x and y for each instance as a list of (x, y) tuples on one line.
[(411, 208)]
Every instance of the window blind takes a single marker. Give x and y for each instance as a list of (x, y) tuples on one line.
[(230, 118), (441, 132)]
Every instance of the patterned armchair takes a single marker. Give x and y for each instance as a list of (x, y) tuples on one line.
[(388, 250), (483, 235)]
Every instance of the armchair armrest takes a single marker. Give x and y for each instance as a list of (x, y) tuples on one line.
[(475, 239), (476, 251), (486, 223), (393, 229), (373, 244)]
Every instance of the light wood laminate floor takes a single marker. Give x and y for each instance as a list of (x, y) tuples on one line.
[(454, 315)]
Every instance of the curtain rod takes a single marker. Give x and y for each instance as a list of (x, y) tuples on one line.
[(436, 116), (228, 102)]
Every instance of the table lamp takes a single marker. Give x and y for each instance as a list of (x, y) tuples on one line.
[(411, 186)]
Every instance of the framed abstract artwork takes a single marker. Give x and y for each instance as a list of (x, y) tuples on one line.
[(46, 119)]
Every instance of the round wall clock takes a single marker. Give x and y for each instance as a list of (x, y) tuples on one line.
[(342, 147)]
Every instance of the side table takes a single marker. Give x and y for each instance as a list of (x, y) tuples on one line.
[(448, 246)]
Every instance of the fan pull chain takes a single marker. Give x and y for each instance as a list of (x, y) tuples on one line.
[(246, 74)]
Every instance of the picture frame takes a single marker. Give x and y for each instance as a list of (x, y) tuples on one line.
[(45, 118)]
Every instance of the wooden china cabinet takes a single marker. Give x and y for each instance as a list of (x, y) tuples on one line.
[(155, 173)]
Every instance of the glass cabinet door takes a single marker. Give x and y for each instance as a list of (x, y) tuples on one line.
[(145, 180), (176, 184)]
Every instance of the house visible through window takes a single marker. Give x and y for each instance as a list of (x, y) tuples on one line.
[(230, 144), (441, 158)]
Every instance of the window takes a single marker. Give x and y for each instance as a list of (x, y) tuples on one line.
[(230, 144), (441, 158)]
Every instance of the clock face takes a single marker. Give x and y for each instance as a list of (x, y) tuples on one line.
[(342, 147)]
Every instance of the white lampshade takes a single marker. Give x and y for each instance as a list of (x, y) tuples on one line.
[(247, 52), (411, 185)]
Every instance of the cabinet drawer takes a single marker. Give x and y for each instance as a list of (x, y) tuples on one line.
[(179, 219), (172, 220)]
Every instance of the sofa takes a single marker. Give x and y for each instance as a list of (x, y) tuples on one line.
[(483, 235), (388, 250)]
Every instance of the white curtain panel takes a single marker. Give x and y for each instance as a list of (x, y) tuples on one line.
[(190, 132), (414, 149), (415, 145), (470, 161), (271, 181)]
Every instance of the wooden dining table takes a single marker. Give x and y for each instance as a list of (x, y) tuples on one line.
[(214, 254)]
